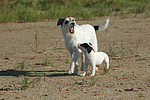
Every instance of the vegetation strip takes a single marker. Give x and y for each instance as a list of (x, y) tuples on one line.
[(38, 10)]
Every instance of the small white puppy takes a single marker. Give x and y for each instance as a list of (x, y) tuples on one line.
[(74, 34), (92, 58)]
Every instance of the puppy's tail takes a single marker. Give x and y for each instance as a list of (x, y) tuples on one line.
[(103, 26)]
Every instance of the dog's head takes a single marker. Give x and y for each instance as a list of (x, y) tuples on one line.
[(85, 47), (67, 23)]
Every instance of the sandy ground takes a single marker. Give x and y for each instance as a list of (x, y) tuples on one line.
[(128, 77)]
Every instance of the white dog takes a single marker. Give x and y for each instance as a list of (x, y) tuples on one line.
[(74, 34), (92, 58)]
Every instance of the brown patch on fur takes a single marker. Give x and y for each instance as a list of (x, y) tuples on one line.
[(70, 19)]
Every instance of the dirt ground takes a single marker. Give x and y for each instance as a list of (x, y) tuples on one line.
[(27, 75)]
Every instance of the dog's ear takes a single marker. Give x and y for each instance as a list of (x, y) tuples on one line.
[(89, 49), (60, 21)]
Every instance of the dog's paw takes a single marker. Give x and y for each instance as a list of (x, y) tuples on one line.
[(70, 72), (91, 74), (82, 74), (96, 68)]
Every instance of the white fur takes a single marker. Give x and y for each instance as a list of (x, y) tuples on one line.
[(83, 33), (93, 58)]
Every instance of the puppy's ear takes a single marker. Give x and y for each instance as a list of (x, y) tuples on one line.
[(89, 49), (60, 21)]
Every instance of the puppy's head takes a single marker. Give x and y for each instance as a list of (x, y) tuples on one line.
[(67, 23), (85, 47)]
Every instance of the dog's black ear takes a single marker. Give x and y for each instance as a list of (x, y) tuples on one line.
[(60, 21), (89, 49), (85, 45)]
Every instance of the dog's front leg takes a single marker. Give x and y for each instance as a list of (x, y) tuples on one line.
[(74, 64), (93, 70)]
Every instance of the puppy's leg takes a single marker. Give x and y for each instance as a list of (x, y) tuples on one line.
[(94, 44), (85, 69), (74, 64), (82, 61), (96, 68), (107, 61), (93, 70)]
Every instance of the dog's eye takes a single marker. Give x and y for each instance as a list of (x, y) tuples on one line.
[(67, 22)]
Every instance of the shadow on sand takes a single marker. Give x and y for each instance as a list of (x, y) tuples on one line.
[(49, 73)]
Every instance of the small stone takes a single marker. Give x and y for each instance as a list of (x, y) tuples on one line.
[(46, 95), (121, 83)]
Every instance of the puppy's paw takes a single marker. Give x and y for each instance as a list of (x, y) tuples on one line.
[(82, 74), (96, 68), (91, 74)]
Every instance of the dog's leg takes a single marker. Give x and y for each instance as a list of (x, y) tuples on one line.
[(82, 61), (76, 68), (107, 61), (93, 70), (74, 64), (96, 68), (85, 69)]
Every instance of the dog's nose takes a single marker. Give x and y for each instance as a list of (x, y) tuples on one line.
[(73, 24)]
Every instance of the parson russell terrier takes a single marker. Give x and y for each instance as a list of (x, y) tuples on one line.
[(74, 34), (92, 57)]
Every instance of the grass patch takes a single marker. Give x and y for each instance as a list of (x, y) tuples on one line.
[(46, 61), (37, 10), (141, 95), (26, 83), (93, 81), (17, 97)]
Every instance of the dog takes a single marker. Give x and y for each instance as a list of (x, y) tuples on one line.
[(74, 34), (92, 57)]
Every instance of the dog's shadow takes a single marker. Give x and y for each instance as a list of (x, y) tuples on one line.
[(49, 73)]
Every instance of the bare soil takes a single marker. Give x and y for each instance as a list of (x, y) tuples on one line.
[(126, 39)]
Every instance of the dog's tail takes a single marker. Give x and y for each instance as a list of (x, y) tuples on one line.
[(103, 26)]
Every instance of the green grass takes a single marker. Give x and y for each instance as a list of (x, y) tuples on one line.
[(26, 83), (93, 81), (38, 10), (141, 95)]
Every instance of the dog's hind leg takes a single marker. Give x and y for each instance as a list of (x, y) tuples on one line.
[(107, 61), (85, 69), (82, 61)]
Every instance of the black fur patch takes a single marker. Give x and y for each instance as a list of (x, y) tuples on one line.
[(60, 21), (86, 46), (96, 27)]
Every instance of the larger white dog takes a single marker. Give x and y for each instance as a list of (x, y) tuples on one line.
[(74, 34)]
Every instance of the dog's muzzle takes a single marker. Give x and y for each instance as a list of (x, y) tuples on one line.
[(71, 29)]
